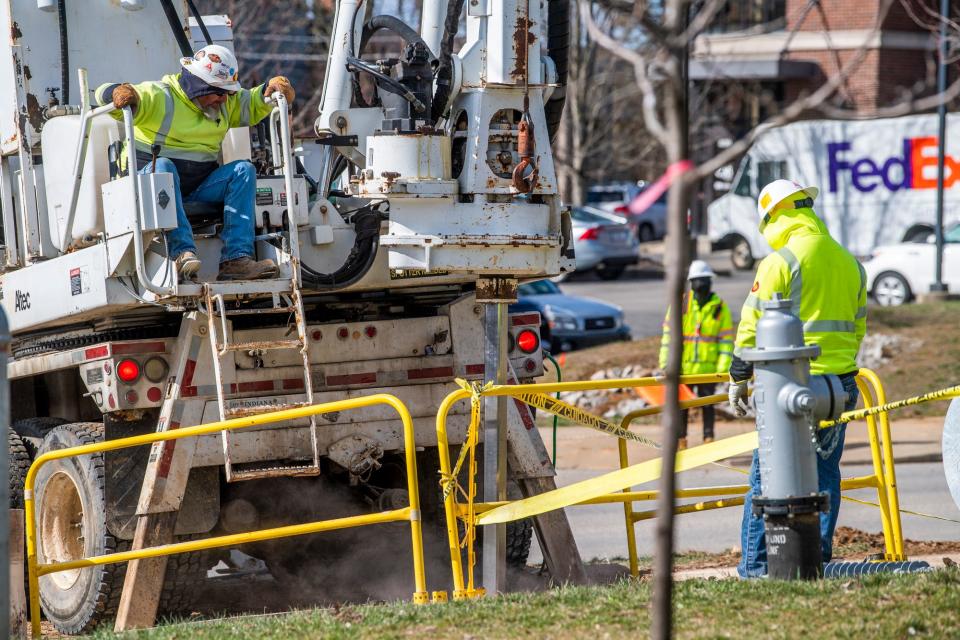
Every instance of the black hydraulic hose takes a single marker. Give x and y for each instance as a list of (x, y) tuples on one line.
[(394, 24), (451, 25), (203, 27), (173, 19), (358, 263), (64, 53)]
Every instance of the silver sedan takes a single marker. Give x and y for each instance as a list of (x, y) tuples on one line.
[(603, 242)]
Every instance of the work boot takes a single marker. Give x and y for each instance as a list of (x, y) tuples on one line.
[(707, 439), (246, 268), (188, 265), (681, 444)]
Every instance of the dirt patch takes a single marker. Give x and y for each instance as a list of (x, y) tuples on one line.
[(855, 542)]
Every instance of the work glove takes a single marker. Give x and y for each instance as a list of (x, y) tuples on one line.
[(737, 395), (125, 96), (281, 84)]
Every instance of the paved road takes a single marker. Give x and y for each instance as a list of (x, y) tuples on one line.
[(599, 529), (641, 291)]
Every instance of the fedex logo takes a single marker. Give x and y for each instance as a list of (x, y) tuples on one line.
[(914, 168)]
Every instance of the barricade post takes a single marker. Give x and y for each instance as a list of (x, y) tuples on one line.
[(883, 478), (410, 513)]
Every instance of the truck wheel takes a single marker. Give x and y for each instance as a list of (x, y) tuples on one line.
[(33, 430), (740, 255), (185, 573), (645, 233), (19, 463), (71, 521), (519, 533)]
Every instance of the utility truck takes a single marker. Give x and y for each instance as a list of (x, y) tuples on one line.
[(397, 258), (877, 181)]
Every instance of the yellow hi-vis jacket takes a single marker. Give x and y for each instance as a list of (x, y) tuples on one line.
[(167, 117), (826, 285), (707, 336)]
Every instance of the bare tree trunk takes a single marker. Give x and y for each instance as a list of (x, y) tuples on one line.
[(677, 259)]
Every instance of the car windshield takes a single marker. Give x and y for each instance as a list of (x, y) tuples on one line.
[(606, 195), (581, 214), (952, 234), (538, 288)]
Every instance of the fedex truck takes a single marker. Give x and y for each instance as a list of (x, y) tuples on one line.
[(877, 181)]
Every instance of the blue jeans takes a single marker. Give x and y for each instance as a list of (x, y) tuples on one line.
[(753, 544), (234, 185)]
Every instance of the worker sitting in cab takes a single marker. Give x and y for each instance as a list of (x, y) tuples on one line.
[(707, 341), (180, 122)]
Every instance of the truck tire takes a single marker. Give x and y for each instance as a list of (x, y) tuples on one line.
[(740, 254), (519, 532), (70, 500), (19, 463), (519, 538), (70, 504), (33, 430)]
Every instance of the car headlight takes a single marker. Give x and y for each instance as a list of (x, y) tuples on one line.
[(560, 321)]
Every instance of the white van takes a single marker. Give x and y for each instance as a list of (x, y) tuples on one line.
[(877, 181)]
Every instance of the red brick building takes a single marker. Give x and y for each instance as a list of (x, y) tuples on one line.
[(759, 55)]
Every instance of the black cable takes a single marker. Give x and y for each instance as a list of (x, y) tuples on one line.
[(389, 84), (64, 53), (203, 27), (396, 25), (451, 24), (359, 261), (173, 19)]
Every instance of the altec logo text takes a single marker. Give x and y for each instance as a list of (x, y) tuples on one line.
[(916, 168)]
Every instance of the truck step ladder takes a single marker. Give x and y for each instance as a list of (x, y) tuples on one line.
[(286, 300)]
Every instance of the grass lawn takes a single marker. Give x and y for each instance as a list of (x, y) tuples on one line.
[(887, 606)]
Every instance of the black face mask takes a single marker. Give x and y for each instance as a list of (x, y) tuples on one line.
[(700, 286)]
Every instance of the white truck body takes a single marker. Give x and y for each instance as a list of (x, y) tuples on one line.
[(877, 179)]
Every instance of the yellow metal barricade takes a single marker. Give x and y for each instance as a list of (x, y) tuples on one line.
[(410, 513), (474, 513)]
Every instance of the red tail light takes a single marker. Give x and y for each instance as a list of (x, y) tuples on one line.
[(622, 210), (528, 341), (591, 234), (128, 370)]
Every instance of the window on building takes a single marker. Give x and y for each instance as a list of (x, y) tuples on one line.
[(740, 15)]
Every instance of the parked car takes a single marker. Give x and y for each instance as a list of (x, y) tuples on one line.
[(651, 223), (897, 272), (603, 242), (570, 322)]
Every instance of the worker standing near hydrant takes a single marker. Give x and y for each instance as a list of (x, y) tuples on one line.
[(707, 340), (180, 123), (827, 290)]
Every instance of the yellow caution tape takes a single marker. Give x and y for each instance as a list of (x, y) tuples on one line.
[(571, 412), (850, 416), (618, 480), (449, 482)]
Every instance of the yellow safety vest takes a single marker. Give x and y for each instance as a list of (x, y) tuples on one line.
[(826, 285), (707, 336), (168, 118)]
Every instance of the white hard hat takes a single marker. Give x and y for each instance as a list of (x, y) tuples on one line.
[(215, 65), (778, 191), (700, 269)]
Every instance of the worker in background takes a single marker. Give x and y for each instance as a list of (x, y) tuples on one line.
[(827, 288), (707, 340), (180, 123)]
